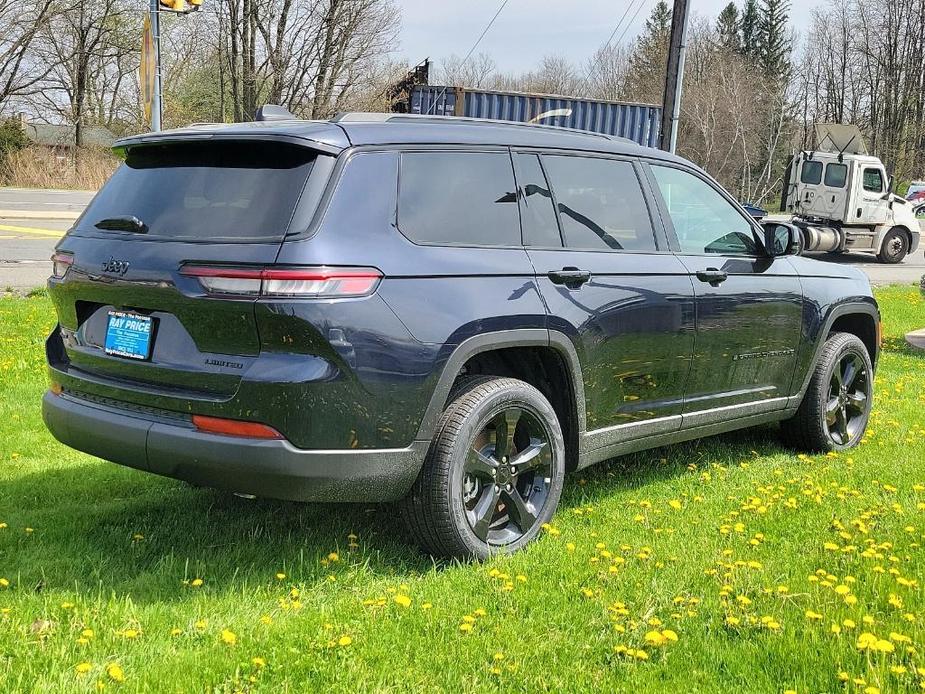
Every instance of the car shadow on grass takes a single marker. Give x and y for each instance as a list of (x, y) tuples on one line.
[(98, 524)]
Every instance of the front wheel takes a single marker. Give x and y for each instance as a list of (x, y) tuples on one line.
[(837, 402), (493, 474), (894, 248)]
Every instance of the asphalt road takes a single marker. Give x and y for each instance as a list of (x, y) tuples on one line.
[(32, 221)]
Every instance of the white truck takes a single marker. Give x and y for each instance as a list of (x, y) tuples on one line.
[(841, 199)]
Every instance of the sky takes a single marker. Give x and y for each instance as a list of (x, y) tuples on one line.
[(526, 30)]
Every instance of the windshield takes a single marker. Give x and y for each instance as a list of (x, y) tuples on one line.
[(205, 191)]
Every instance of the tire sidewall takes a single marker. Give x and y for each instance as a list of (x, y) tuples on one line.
[(885, 254), (531, 400), (850, 346)]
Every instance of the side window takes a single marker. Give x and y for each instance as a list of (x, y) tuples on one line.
[(537, 213), (836, 175), (703, 220), (601, 204), (464, 198), (811, 173), (873, 180)]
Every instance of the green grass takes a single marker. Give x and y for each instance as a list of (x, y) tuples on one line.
[(695, 536)]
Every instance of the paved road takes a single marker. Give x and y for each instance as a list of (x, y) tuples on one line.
[(32, 221)]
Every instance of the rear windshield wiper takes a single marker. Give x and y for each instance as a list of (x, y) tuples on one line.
[(124, 223)]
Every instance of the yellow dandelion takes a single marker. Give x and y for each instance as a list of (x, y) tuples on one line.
[(196, 582), (344, 640), (402, 600), (465, 627), (115, 672), (229, 637), (83, 668)]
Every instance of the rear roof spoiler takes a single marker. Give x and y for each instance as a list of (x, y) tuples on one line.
[(328, 140)]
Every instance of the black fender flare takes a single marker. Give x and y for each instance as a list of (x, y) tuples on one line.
[(487, 342), (846, 309)]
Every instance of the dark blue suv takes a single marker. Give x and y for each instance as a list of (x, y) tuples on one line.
[(445, 312)]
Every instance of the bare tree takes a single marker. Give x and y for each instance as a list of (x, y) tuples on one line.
[(21, 72)]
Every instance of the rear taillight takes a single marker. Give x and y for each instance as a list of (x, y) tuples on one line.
[(234, 427), (311, 282), (60, 264)]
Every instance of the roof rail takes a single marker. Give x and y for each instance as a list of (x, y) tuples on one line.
[(369, 117), (361, 116)]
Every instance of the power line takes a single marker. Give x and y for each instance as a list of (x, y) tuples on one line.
[(471, 51), (626, 28), (617, 27)]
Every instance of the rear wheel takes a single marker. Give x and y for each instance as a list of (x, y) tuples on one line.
[(836, 405), (494, 472), (895, 246)]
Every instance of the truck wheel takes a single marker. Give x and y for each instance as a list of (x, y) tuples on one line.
[(494, 472), (895, 246), (836, 405)]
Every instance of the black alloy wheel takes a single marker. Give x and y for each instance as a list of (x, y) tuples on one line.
[(494, 472), (507, 476), (849, 394)]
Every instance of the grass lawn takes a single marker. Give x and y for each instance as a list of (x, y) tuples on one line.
[(717, 565)]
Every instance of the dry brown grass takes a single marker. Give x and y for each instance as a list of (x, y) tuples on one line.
[(42, 167)]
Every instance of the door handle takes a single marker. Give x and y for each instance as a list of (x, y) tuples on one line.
[(569, 276), (712, 276)]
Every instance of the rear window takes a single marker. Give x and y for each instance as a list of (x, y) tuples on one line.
[(811, 173), (458, 198), (836, 175), (207, 191)]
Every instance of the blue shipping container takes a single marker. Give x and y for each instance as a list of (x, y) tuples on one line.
[(637, 122)]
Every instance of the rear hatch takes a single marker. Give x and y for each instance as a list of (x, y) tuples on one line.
[(134, 324)]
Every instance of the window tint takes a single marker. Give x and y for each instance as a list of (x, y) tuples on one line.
[(538, 215), (217, 191), (704, 221), (458, 198), (873, 180), (836, 175), (601, 205), (811, 173)]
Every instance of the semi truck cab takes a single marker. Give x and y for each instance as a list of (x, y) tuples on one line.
[(842, 201)]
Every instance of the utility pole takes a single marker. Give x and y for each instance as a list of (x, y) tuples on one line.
[(156, 33), (671, 103)]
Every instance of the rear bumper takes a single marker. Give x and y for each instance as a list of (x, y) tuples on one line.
[(266, 468)]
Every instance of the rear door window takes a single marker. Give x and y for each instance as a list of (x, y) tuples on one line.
[(811, 173), (458, 198), (601, 204), (207, 191), (836, 175)]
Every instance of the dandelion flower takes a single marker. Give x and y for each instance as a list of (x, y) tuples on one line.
[(465, 627), (229, 637), (83, 668), (402, 600), (196, 582), (116, 674)]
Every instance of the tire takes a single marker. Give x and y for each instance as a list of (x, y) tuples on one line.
[(453, 510), (895, 246), (817, 425)]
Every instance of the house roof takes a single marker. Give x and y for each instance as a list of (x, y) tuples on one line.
[(64, 135)]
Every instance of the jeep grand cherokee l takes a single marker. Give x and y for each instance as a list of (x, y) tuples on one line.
[(445, 312)]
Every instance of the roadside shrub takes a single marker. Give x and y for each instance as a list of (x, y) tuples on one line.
[(44, 167), (12, 138)]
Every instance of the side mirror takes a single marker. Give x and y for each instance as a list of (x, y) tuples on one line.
[(781, 238)]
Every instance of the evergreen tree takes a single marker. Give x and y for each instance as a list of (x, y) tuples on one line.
[(727, 26), (749, 25), (645, 79), (773, 48)]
